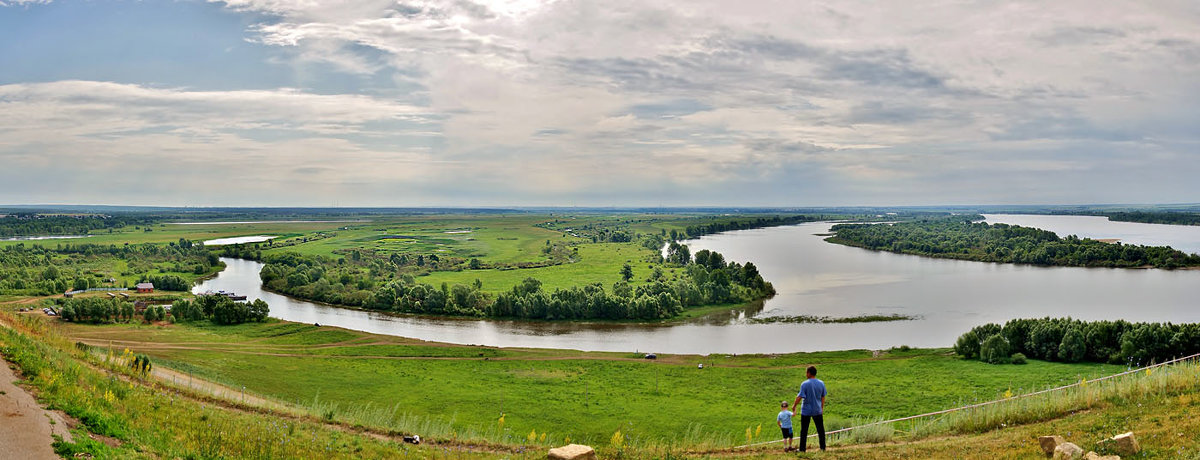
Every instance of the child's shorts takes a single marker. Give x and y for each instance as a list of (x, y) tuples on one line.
[(787, 432)]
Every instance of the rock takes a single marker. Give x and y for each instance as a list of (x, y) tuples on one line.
[(1048, 444), (1068, 451), (1125, 444), (1094, 456), (572, 452)]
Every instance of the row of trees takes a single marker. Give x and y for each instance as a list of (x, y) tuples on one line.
[(959, 237), (31, 224), (220, 309), (1071, 340), (97, 310), (729, 224), (1156, 217)]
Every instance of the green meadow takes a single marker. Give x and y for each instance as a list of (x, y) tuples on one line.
[(569, 394)]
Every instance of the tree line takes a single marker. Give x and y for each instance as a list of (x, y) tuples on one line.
[(725, 225), (1156, 217), (220, 309), (1071, 340), (959, 237), (32, 224)]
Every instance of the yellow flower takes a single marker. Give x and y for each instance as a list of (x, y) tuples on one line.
[(758, 431), (618, 440), (532, 436), (542, 437), (1008, 393)]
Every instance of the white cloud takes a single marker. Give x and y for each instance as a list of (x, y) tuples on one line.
[(690, 98)]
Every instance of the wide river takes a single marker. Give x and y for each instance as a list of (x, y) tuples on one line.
[(818, 278)]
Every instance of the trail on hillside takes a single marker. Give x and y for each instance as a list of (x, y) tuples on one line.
[(25, 427)]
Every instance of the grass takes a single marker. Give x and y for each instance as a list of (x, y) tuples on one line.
[(154, 422), (584, 396), (135, 419)]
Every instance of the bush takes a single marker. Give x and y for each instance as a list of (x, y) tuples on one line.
[(1018, 358), (994, 349)]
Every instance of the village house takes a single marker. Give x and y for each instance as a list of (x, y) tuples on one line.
[(144, 288)]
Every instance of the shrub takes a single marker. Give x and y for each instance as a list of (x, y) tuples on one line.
[(1018, 358), (994, 349)]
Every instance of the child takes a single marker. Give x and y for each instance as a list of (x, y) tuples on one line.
[(784, 420)]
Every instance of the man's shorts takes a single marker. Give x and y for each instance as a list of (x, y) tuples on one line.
[(787, 432)]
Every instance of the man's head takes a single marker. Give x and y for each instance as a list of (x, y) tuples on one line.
[(812, 372)]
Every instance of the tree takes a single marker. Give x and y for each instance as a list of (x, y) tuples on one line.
[(626, 272), (967, 345), (1072, 349), (994, 350)]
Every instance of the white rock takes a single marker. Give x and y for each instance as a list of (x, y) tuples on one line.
[(572, 452)]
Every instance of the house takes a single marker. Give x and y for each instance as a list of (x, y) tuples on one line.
[(143, 288)]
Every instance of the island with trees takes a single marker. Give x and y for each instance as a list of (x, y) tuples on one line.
[(963, 237)]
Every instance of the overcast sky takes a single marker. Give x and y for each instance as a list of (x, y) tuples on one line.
[(599, 103)]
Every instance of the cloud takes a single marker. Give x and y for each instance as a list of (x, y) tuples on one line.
[(590, 101)]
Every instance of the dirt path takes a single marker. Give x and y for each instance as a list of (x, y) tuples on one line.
[(25, 428)]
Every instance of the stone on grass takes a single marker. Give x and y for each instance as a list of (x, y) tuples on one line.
[(1125, 444), (1048, 443), (1094, 456), (572, 452), (1068, 451)]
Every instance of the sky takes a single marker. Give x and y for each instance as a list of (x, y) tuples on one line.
[(598, 103)]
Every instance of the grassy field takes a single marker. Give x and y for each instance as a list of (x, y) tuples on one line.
[(120, 414), (117, 414), (580, 395)]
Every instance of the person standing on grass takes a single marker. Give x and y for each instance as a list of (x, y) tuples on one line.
[(784, 420), (812, 392)]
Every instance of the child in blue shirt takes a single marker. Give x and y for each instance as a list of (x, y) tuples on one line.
[(784, 420)]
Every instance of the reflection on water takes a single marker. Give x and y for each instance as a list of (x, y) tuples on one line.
[(813, 278)]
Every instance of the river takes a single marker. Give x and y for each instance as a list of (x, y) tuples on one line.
[(813, 278)]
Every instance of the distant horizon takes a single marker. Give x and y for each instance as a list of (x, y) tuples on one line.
[(615, 207)]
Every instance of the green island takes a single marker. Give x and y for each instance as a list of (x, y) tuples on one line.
[(1156, 217), (213, 378), (963, 237)]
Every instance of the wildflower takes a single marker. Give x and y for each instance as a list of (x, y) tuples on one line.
[(1008, 393), (758, 431), (618, 440), (532, 436)]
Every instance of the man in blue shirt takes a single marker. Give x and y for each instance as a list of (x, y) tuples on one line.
[(812, 392)]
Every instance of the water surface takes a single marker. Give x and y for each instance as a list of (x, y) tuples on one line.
[(813, 278), (239, 240)]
